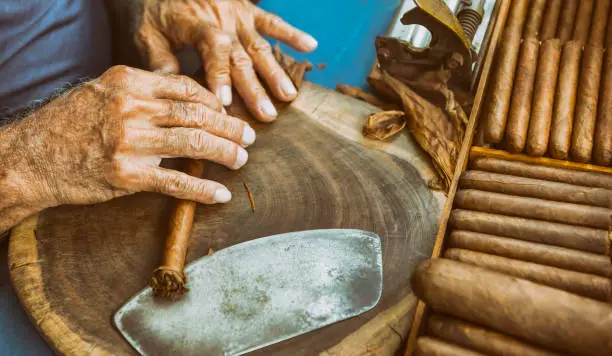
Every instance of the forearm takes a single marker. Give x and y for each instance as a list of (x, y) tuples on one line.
[(18, 197)]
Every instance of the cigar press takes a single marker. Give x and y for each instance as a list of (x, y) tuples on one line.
[(258, 293)]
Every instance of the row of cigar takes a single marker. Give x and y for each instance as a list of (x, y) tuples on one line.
[(551, 88), (526, 267)]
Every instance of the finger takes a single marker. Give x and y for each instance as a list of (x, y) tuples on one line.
[(248, 86), (267, 66), (273, 26), (186, 142), (182, 88), (183, 186), (193, 115), (157, 50), (215, 49)]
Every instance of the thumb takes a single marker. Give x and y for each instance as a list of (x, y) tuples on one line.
[(157, 51)]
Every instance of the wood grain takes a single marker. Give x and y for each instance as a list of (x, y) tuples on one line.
[(310, 169)]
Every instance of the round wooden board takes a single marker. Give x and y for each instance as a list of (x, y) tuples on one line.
[(74, 266)]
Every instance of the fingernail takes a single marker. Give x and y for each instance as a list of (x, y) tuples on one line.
[(268, 108), (241, 158), (287, 87), (309, 42), (225, 94), (248, 135), (222, 195)]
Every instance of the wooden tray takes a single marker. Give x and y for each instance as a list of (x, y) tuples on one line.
[(74, 266)]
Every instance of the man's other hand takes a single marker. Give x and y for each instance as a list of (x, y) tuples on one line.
[(228, 36), (107, 137)]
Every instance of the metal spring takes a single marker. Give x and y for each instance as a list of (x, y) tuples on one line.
[(469, 19)]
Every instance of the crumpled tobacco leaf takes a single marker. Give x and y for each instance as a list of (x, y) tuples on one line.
[(369, 98), (385, 124), (294, 69), (439, 134)]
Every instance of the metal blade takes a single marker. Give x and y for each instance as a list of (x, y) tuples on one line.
[(258, 293)]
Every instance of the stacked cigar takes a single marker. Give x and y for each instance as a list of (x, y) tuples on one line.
[(551, 89), (526, 268)]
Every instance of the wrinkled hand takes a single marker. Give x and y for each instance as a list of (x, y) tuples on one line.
[(228, 36), (107, 137)]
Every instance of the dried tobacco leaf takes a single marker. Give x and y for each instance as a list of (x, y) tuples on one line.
[(433, 130), (294, 69), (385, 124), (357, 93)]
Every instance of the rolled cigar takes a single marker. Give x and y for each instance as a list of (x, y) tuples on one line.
[(428, 346), (543, 97), (536, 188), (515, 168), (586, 104), (565, 100), (566, 20), (600, 20), (570, 236), (584, 284), (555, 256), (551, 19), (545, 316), (582, 24), (602, 145), (501, 86), (534, 19), (169, 278), (480, 339), (609, 34), (517, 16), (533, 208), (520, 107)]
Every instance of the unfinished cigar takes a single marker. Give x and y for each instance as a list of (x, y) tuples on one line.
[(516, 168), (584, 284), (600, 20), (551, 19), (545, 316), (480, 339), (520, 105), (582, 24), (543, 97), (586, 104), (565, 100), (602, 143), (570, 236), (428, 346), (536, 188), (555, 256), (533, 208), (566, 20), (169, 279), (534, 19)]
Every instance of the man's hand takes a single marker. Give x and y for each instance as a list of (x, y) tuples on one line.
[(228, 36), (107, 137)]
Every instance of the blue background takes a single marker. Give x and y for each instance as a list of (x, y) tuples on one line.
[(345, 30)]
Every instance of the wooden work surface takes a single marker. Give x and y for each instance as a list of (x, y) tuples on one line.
[(74, 266)]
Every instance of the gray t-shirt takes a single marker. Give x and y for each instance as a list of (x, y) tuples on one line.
[(45, 45)]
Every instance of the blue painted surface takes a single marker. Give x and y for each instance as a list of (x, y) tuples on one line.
[(345, 29)]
